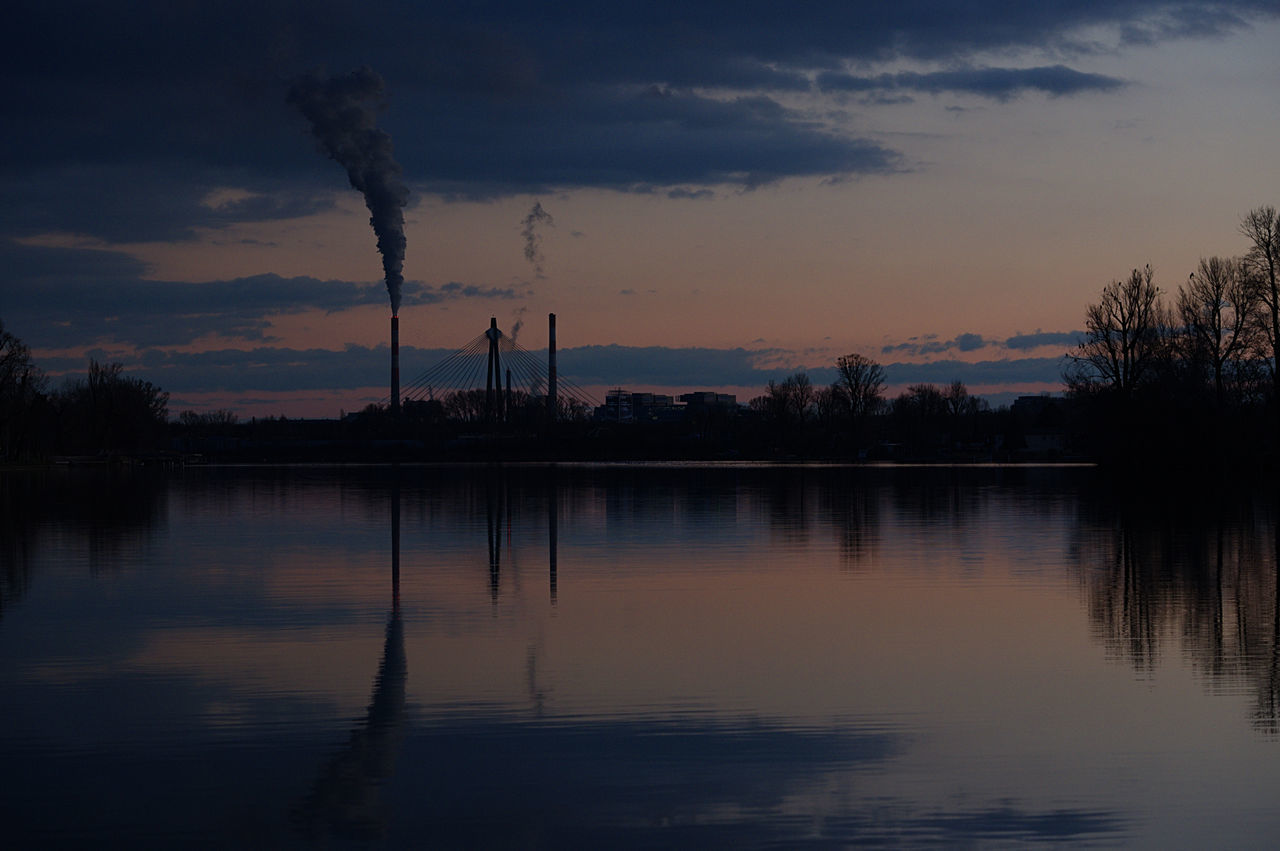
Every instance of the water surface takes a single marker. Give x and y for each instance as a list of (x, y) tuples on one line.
[(658, 656)]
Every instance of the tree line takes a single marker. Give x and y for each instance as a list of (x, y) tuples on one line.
[(103, 412), (1189, 380), (854, 417), (1191, 377), (1195, 377)]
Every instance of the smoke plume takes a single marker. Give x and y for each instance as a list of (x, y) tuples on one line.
[(532, 252), (519, 323), (532, 239), (342, 111)]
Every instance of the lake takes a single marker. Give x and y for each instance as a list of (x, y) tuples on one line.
[(529, 656)]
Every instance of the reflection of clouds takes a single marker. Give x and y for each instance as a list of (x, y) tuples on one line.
[(1006, 823), (240, 666), (695, 783)]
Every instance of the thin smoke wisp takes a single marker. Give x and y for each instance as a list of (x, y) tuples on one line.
[(532, 239), (532, 251)]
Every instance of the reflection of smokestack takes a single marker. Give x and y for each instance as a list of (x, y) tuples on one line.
[(553, 518), (395, 364), (345, 799), (551, 366), (395, 549)]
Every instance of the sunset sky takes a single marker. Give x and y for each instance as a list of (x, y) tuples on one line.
[(738, 190)]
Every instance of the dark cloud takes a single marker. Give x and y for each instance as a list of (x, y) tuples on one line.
[(739, 367), (422, 294), (119, 120), (929, 344), (64, 297), (141, 203), (997, 83), (691, 366), (987, 373), (268, 369), (265, 369), (637, 140), (1043, 338), (681, 192), (1191, 20)]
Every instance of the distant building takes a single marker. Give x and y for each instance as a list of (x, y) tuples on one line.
[(624, 406), (709, 399)]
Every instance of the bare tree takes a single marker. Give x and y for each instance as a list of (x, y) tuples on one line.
[(800, 396), (21, 385), (923, 400), (109, 411), (1261, 226), (220, 419), (1124, 337), (830, 405), (467, 406), (958, 399), (786, 405), (863, 382), (1216, 311)]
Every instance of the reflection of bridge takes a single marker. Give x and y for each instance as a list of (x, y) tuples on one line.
[(343, 800), (511, 375), (498, 506)]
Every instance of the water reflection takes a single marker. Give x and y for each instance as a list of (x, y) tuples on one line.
[(494, 501), (553, 530), (345, 799), (110, 513), (1197, 575), (731, 655)]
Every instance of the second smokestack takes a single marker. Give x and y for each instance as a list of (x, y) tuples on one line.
[(552, 410)]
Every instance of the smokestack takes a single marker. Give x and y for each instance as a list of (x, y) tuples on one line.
[(551, 367), (395, 364)]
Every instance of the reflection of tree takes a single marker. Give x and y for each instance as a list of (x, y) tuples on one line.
[(1267, 713), (1200, 578), (15, 566), (790, 493), (854, 515), (104, 510)]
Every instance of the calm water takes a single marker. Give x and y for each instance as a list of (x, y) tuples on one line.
[(635, 657)]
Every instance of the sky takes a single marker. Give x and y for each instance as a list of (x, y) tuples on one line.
[(732, 191)]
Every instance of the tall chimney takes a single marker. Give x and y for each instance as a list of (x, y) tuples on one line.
[(395, 364), (551, 367)]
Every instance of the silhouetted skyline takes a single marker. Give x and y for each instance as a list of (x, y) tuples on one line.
[(735, 195)]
